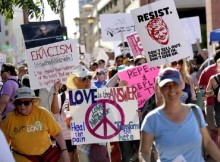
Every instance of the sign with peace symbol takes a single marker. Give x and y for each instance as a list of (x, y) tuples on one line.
[(98, 117)]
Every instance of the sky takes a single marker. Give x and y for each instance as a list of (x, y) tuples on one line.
[(70, 12)]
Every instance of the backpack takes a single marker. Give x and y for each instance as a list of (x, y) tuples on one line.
[(17, 81), (63, 98)]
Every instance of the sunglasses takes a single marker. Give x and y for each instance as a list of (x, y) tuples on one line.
[(25, 103), (101, 73), (175, 63), (86, 78), (140, 63)]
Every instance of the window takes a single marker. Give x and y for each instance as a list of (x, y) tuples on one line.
[(6, 32)]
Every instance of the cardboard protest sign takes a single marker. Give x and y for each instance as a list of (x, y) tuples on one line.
[(134, 43), (103, 115), (161, 33), (50, 63), (143, 79), (191, 29), (120, 23), (41, 33)]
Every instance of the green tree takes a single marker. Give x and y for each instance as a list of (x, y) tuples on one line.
[(34, 8)]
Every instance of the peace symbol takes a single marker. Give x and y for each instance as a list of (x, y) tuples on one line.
[(104, 121)]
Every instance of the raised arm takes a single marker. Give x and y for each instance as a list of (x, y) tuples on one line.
[(54, 104)]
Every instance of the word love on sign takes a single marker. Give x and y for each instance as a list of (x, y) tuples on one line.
[(143, 79)]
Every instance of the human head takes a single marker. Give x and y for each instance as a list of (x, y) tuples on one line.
[(182, 67), (94, 66), (24, 101), (119, 60), (158, 30), (43, 30), (139, 60), (8, 70), (22, 70), (101, 64), (80, 78), (217, 55), (101, 75), (168, 75)]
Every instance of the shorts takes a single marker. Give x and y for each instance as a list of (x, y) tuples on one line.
[(217, 119), (69, 146), (210, 119)]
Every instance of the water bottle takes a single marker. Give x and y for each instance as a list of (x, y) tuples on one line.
[(200, 93)]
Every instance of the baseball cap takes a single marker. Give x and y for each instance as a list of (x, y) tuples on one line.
[(169, 75)]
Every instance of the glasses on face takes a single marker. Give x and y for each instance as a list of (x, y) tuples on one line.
[(175, 63), (25, 103), (86, 78), (140, 63), (101, 73)]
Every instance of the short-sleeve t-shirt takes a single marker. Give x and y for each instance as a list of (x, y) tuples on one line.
[(9, 88), (173, 140), (30, 134)]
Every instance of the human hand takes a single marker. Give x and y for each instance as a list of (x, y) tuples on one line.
[(68, 120), (57, 86), (122, 83)]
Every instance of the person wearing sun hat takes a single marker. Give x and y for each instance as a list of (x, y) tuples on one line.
[(28, 127), (178, 129), (81, 79)]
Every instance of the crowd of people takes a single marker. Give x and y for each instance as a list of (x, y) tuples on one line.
[(35, 122)]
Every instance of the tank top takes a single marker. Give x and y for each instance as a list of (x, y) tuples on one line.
[(215, 90)]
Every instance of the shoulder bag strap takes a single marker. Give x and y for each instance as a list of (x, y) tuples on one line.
[(196, 113)]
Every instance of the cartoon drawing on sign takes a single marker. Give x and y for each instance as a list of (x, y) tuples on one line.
[(97, 115), (158, 30)]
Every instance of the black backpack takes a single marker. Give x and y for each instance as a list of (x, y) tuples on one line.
[(63, 98)]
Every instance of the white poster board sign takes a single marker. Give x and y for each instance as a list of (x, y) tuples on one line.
[(160, 31), (50, 63), (103, 115), (191, 29), (112, 25)]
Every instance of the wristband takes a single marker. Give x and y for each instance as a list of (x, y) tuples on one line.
[(64, 149)]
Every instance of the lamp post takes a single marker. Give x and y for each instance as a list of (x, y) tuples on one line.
[(85, 27)]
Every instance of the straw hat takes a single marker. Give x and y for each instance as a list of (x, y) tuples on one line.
[(78, 71)]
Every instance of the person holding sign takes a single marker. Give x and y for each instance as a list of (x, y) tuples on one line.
[(178, 129), (81, 79)]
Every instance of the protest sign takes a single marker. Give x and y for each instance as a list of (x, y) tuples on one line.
[(191, 29), (120, 23), (143, 79), (2, 59), (50, 63), (134, 43), (160, 31), (41, 33), (103, 115)]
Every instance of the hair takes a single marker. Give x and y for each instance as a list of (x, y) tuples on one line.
[(218, 63), (10, 68), (102, 61), (183, 71), (217, 55), (120, 56), (138, 58)]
